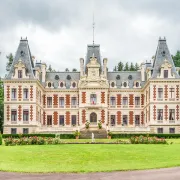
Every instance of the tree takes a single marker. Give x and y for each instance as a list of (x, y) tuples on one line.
[(126, 68), (74, 69), (136, 68), (120, 66), (132, 68), (176, 59), (1, 105), (10, 59), (115, 69), (67, 70), (50, 68)]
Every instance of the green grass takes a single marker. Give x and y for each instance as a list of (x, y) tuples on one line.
[(88, 157)]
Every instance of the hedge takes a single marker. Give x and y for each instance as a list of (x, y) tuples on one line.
[(0, 139), (62, 136), (166, 136)]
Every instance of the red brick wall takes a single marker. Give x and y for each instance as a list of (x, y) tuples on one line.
[(44, 100), (67, 101), (55, 100), (119, 118), (103, 97), (131, 117), (83, 116), (31, 92), (142, 117), (177, 91), (154, 92), (154, 112), (103, 116), (142, 99), (131, 99), (19, 112), (165, 112), (67, 118), (118, 100), (8, 112), (83, 97), (177, 112), (8, 93), (19, 92), (31, 112), (44, 118), (55, 118), (166, 92)]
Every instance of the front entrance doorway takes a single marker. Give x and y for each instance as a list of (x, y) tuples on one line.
[(93, 118)]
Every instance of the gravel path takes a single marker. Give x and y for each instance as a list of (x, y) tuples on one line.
[(157, 174)]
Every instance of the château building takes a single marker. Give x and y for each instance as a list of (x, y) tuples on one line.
[(143, 101)]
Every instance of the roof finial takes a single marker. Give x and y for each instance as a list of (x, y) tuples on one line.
[(93, 24)]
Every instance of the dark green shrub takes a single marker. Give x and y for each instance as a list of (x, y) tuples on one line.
[(0, 139)]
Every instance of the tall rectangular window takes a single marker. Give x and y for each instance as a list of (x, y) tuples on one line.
[(73, 102), (113, 119), (137, 101), (171, 114), (49, 120), (25, 115), (160, 130), (49, 101), (13, 115), (160, 93), (61, 120), (160, 114), (93, 98), (165, 73), (19, 73), (125, 101), (13, 93), (25, 131), (25, 93), (13, 131), (73, 120), (125, 120), (61, 102), (137, 120), (113, 101), (172, 93)]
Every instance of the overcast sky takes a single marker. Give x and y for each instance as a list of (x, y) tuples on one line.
[(58, 31)]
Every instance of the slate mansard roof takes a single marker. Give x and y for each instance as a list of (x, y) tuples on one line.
[(23, 52)]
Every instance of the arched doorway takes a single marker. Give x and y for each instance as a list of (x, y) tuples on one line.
[(93, 118)]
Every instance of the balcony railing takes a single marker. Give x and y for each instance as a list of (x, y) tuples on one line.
[(160, 99), (171, 99), (112, 106), (25, 122), (172, 121), (159, 121), (13, 122), (73, 106), (61, 106), (137, 106), (49, 106), (125, 106)]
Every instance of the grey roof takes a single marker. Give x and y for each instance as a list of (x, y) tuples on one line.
[(50, 76), (136, 76), (162, 53), (23, 52), (93, 49)]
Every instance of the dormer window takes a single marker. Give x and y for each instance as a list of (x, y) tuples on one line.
[(61, 84), (49, 84), (125, 84), (112, 84), (137, 84), (165, 73), (19, 73), (73, 84)]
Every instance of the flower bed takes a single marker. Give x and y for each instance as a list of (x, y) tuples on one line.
[(147, 140), (31, 141)]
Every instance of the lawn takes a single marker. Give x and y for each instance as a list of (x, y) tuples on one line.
[(88, 157)]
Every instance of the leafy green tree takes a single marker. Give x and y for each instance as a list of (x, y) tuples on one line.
[(120, 66), (136, 67), (1, 105), (67, 70), (126, 68), (50, 68), (74, 69), (132, 68), (176, 59), (10, 59), (115, 69)]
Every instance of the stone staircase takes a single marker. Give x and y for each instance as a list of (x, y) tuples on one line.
[(98, 133)]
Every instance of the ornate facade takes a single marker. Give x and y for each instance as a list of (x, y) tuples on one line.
[(145, 101)]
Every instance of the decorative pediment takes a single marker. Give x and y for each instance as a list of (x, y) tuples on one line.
[(93, 62), (20, 64), (166, 64)]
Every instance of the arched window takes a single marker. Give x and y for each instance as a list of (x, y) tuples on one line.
[(137, 84), (112, 84), (61, 84), (73, 84), (125, 84), (49, 84)]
